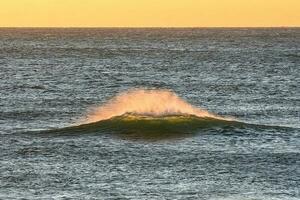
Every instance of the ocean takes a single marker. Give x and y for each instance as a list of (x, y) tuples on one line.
[(153, 113)]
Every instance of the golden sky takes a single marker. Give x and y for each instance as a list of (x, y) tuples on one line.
[(149, 13)]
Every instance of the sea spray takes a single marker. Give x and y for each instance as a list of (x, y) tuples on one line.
[(154, 103)]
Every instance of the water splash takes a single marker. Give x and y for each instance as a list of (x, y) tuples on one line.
[(154, 103)]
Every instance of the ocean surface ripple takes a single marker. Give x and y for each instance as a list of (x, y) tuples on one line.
[(150, 113)]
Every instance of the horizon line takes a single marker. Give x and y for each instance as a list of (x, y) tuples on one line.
[(145, 27)]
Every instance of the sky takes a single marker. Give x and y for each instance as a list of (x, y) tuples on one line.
[(149, 13)]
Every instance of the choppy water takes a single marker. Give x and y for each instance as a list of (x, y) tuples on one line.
[(51, 78)]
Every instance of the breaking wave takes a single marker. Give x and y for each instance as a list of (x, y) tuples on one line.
[(155, 115)]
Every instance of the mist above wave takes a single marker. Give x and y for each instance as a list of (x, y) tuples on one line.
[(154, 103)]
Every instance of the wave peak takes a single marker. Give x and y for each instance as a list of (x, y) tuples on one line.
[(154, 103)]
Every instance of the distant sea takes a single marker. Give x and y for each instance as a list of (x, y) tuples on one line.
[(52, 79)]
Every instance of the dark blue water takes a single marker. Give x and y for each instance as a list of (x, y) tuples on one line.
[(50, 78)]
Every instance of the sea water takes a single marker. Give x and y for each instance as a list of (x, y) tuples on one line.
[(150, 113)]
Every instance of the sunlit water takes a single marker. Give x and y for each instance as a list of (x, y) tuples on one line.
[(150, 114)]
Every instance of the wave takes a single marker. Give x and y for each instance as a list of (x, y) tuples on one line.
[(155, 115), (145, 127), (133, 126)]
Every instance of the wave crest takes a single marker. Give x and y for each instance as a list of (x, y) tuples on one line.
[(155, 103)]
